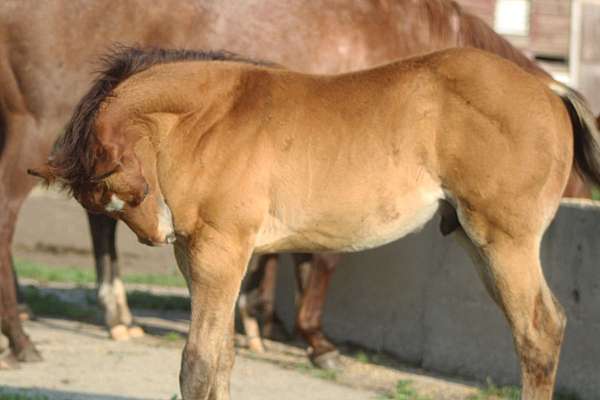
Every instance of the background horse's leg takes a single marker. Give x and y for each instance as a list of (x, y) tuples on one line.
[(258, 297), (308, 320), (111, 291), (16, 132)]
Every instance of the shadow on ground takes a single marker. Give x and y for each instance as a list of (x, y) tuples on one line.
[(16, 393)]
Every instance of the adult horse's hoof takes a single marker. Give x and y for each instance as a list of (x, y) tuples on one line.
[(25, 312), (29, 354), (255, 344), (8, 361), (330, 361), (135, 332), (119, 333)]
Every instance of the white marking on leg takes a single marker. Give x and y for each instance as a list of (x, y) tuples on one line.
[(115, 204), (108, 300)]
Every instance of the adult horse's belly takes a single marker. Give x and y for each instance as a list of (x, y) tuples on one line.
[(362, 226)]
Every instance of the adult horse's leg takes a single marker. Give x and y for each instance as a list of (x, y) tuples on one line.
[(22, 347), (313, 291), (17, 130), (111, 291), (258, 296), (213, 266), (511, 270)]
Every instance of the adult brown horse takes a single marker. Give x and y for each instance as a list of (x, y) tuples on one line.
[(274, 160), (44, 68)]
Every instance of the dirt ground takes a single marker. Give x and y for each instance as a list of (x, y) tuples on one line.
[(81, 363)]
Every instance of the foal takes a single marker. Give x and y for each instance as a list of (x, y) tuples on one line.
[(227, 158)]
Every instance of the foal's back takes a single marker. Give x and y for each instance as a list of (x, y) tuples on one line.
[(357, 160), (460, 125)]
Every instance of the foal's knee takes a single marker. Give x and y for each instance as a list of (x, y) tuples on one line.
[(197, 373)]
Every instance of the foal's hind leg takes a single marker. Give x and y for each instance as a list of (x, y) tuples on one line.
[(516, 283)]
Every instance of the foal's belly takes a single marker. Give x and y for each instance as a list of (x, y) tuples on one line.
[(349, 230)]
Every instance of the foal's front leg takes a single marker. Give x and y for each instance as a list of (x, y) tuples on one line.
[(213, 265)]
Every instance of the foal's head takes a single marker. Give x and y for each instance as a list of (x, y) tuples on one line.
[(107, 164), (106, 158), (113, 172)]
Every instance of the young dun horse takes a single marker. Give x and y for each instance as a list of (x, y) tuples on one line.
[(45, 69), (226, 157)]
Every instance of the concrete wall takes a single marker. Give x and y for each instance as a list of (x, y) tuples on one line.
[(421, 300)]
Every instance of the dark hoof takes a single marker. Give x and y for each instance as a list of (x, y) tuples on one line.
[(8, 361), (330, 361), (29, 354)]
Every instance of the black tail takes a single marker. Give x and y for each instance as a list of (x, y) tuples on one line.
[(586, 135)]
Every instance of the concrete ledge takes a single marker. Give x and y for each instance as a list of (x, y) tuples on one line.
[(421, 300)]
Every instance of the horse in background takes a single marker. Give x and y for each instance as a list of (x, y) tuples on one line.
[(251, 145), (45, 68)]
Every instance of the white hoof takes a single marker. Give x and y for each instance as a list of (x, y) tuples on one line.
[(119, 333), (135, 332)]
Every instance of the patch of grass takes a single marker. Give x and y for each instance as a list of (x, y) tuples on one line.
[(311, 370), (371, 357), (43, 273), (81, 275), (172, 337), (404, 390), (362, 357), (595, 193), (493, 392), (50, 305), (137, 299), (20, 396)]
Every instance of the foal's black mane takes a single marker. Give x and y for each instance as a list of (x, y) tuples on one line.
[(72, 161)]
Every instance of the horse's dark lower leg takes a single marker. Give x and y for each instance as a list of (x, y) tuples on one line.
[(20, 296), (258, 297), (20, 344), (308, 321), (267, 296), (111, 292)]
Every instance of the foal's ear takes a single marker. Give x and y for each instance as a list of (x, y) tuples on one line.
[(45, 172)]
